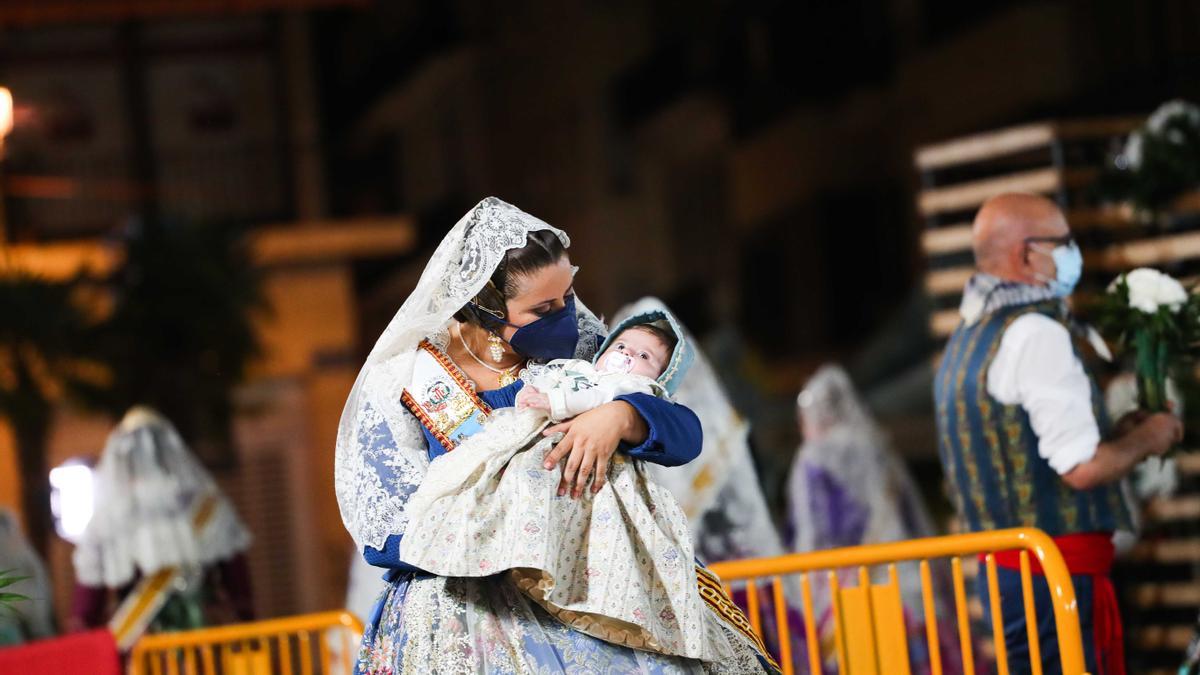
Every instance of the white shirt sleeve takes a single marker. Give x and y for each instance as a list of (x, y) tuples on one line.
[(1036, 367), (565, 403)]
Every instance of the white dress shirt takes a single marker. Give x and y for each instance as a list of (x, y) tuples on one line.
[(1036, 367)]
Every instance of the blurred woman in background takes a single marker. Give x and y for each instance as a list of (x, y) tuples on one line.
[(848, 488), (164, 548)]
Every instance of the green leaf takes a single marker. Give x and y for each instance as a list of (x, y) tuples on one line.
[(7, 580)]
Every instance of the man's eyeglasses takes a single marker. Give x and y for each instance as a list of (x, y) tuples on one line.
[(1064, 240), (1054, 242)]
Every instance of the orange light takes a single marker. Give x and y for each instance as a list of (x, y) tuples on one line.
[(6, 112)]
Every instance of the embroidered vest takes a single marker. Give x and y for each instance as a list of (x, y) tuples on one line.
[(989, 450)]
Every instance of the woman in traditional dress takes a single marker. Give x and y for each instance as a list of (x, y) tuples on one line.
[(33, 617), (164, 549), (847, 488), (497, 293)]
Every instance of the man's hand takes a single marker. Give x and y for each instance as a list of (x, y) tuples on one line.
[(530, 397), (1154, 435), (1163, 431), (1126, 424), (591, 439)]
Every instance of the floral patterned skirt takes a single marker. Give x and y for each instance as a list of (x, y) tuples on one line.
[(441, 625)]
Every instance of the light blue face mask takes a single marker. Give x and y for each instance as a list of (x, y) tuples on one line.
[(1068, 265)]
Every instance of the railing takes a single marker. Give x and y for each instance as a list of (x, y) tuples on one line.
[(288, 646), (869, 631)]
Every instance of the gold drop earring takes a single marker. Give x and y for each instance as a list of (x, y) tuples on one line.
[(495, 347)]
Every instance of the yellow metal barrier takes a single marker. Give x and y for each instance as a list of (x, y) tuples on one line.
[(290, 646), (869, 630)]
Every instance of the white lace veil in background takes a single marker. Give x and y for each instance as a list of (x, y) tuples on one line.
[(148, 487), (853, 450), (381, 453)]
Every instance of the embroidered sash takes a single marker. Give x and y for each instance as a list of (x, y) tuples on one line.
[(139, 608), (719, 601), (442, 399)]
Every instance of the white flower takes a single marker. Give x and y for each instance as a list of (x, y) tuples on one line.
[(1150, 289)]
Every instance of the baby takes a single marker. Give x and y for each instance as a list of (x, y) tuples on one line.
[(632, 363)]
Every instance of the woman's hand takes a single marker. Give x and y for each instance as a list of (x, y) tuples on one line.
[(591, 439)]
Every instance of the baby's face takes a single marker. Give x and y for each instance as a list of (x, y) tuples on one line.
[(646, 352)]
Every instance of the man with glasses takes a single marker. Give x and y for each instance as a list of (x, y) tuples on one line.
[(1022, 433)]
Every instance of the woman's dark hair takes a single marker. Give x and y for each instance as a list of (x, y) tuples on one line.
[(542, 249)]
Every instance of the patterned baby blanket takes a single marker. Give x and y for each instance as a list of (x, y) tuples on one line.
[(617, 565)]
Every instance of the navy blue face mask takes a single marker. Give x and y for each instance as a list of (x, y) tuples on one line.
[(551, 337)]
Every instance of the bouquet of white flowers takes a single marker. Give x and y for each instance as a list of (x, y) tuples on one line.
[(1154, 316)]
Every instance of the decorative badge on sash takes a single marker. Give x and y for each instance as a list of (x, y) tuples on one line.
[(442, 399)]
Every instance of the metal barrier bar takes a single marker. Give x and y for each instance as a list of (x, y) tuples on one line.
[(323, 651), (781, 621), (752, 606), (285, 653), (306, 665), (931, 629), (810, 626), (189, 661), (838, 628), (206, 657), (864, 583), (997, 616), (964, 622), (1035, 647)]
